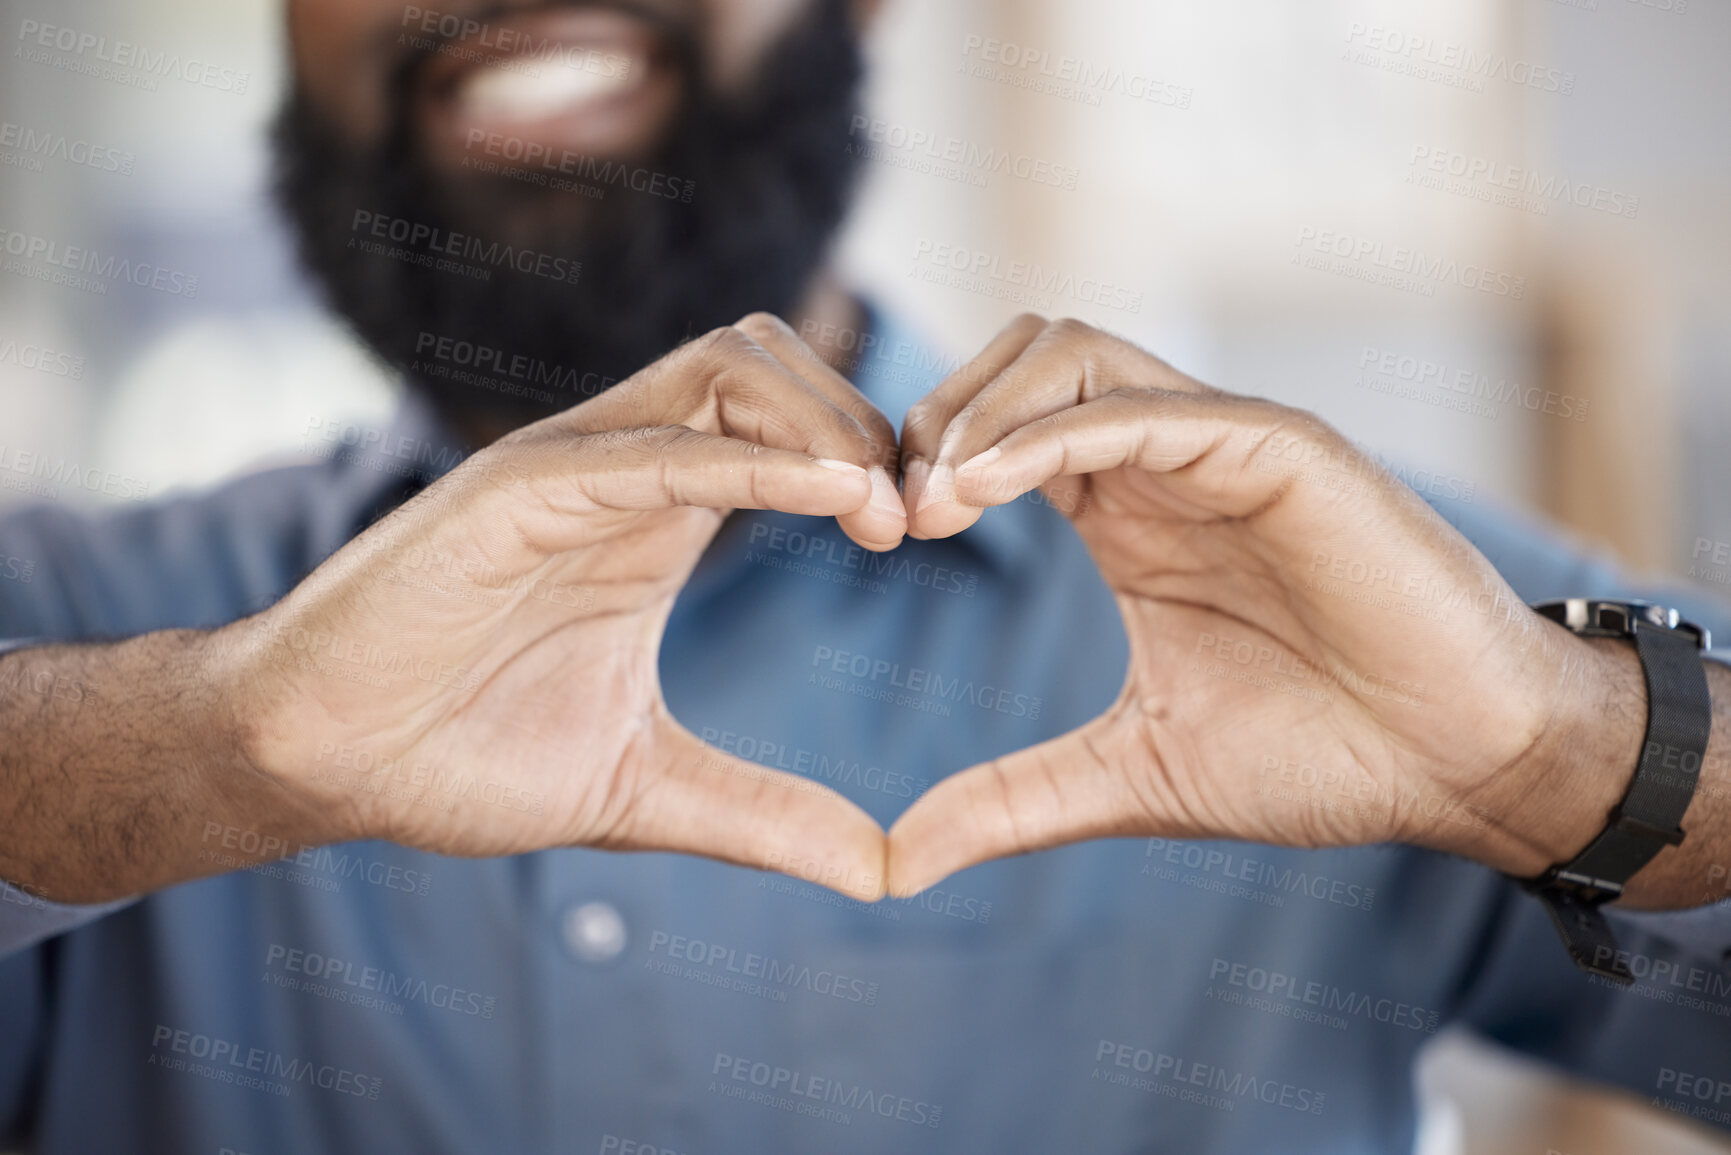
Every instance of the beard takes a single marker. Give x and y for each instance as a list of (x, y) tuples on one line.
[(769, 175)]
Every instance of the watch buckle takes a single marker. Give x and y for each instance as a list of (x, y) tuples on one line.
[(1582, 888)]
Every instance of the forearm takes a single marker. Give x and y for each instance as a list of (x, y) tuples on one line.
[(123, 770)]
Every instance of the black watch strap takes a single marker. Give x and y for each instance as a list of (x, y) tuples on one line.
[(1650, 816)]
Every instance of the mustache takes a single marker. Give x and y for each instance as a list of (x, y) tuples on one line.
[(426, 33)]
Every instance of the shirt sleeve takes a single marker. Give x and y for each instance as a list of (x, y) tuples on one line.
[(1704, 931), (26, 920)]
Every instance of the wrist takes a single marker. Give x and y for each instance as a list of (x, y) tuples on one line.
[(1549, 802), (259, 774)]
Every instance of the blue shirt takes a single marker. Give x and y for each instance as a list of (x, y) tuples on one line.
[(1118, 995)]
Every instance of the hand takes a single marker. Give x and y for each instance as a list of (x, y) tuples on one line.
[(476, 674), (1316, 657)]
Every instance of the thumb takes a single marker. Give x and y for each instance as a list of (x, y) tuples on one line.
[(704, 801), (1062, 791)]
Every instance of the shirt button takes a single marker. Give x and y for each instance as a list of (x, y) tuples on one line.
[(594, 932)]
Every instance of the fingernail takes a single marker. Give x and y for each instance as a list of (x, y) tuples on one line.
[(914, 475), (980, 461), (886, 502), (838, 466), (940, 486)]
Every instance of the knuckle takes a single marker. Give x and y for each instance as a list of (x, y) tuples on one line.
[(921, 415), (762, 324), (1070, 329), (1026, 322), (724, 342), (643, 440), (877, 427), (967, 415), (1303, 420)]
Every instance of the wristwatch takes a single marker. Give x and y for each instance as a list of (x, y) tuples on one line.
[(1650, 816)]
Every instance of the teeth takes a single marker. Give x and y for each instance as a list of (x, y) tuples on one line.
[(534, 90)]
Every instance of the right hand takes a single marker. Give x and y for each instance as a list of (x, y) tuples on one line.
[(476, 674)]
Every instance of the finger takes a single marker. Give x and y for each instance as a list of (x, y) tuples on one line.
[(1068, 364), (660, 468), (923, 428), (1203, 447), (700, 800), (1055, 793), (883, 522), (726, 383)]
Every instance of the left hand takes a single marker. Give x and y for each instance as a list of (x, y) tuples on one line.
[(1316, 657)]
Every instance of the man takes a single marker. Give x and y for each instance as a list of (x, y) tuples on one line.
[(422, 743)]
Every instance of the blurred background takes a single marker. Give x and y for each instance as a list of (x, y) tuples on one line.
[(1489, 239)]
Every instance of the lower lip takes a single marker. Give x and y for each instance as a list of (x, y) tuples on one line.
[(588, 81)]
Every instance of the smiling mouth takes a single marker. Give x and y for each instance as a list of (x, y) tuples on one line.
[(586, 81)]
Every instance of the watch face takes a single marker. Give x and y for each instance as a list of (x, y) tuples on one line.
[(1600, 617)]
